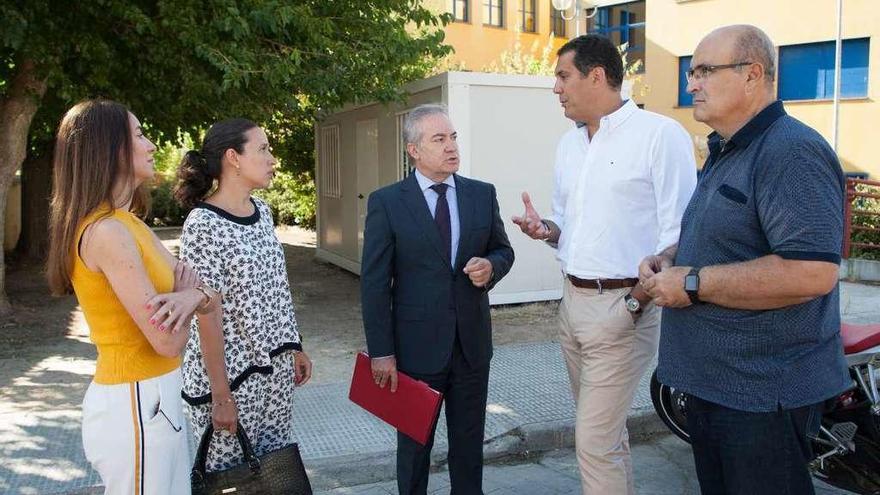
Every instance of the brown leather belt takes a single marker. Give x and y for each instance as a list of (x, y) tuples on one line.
[(603, 283)]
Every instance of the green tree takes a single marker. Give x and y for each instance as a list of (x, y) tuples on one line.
[(179, 65)]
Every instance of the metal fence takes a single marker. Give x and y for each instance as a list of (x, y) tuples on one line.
[(859, 216)]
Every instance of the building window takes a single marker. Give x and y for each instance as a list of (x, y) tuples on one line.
[(404, 167), (684, 98), (493, 13), (557, 23), (460, 10), (623, 24), (331, 186), (527, 14), (806, 72)]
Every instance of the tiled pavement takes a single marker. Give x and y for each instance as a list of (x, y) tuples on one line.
[(529, 404), (528, 386), (663, 466)]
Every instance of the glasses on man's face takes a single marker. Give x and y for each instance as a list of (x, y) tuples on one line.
[(701, 72)]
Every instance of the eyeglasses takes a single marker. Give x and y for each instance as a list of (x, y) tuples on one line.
[(701, 72)]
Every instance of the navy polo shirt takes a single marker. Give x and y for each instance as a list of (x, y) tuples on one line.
[(775, 187)]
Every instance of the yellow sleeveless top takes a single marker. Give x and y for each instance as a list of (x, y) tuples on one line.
[(124, 353)]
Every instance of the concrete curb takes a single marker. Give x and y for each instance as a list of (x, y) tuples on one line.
[(859, 270), (523, 441)]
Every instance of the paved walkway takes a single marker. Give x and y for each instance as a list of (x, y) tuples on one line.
[(663, 466), (529, 409)]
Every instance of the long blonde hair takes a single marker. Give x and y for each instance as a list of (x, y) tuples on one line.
[(93, 151)]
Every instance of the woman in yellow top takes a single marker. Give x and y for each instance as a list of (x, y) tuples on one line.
[(136, 298)]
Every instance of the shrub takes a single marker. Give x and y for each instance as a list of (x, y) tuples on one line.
[(292, 199), (165, 211)]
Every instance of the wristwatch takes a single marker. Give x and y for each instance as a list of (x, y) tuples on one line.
[(692, 285), (632, 304), (549, 230)]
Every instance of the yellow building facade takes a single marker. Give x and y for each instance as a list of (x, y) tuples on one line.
[(664, 31), (480, 34)]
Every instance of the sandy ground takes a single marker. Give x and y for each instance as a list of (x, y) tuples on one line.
[(45, 351)]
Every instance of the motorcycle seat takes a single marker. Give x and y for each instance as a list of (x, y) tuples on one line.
[(857, 338)]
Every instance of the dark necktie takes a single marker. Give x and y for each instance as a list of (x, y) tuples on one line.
[(441, 218)]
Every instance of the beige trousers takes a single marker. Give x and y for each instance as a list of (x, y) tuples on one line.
[(606, 353)]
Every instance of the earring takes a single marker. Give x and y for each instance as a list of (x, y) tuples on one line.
[(238, 171)]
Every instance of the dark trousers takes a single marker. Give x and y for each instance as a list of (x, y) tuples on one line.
[(464, 390), (746, 453)]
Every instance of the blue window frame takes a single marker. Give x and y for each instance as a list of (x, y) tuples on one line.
[(622, 23), (684, 98), (806, 72)]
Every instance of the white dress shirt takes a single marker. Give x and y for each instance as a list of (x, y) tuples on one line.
[(431, 197), (620, 196)]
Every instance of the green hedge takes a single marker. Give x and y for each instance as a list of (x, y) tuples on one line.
[(164, 211), (291, 198)]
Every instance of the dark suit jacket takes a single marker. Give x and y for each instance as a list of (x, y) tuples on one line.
[(412, 299)]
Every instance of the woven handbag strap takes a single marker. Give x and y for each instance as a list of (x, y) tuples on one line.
[(198, 470)]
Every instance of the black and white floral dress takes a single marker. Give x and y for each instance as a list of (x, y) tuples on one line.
[(242, 258)]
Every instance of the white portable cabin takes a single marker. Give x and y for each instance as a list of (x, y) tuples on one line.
[(508, 127)]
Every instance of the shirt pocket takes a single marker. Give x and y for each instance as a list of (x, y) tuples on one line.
[(733, 194), (730, 220)]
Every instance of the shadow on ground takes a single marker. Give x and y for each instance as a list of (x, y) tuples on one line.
[(47, 361)]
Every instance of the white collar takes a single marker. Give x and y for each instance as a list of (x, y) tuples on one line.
[(425, 183)]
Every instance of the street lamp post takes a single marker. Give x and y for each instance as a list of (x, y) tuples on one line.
[(564, 5), (838, 48)]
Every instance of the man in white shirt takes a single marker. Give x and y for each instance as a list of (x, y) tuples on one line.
[(623, 179)]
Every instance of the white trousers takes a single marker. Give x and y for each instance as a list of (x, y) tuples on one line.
[(133, 434)]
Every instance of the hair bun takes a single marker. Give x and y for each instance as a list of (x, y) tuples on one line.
[(196, 156)]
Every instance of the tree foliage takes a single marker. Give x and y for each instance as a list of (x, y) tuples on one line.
[(182, 64)]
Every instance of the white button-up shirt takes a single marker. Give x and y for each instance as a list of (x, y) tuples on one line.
[(620, 196)]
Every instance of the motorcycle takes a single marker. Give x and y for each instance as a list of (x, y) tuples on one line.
[(847, 446)]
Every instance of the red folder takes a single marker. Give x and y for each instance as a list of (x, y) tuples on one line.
[(413, 409)]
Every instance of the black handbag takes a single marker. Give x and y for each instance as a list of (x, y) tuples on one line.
[(280, 472)]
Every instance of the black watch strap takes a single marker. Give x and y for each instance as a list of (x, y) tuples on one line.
[(626, 300)]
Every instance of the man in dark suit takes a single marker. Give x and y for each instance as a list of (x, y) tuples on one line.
[(434, 244)]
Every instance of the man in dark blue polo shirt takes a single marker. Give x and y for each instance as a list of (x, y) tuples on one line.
[(751, 318)]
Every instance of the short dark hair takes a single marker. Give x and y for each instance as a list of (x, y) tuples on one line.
[(593, 50)]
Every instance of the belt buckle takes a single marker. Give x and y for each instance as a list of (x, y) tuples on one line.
[(599, 284)]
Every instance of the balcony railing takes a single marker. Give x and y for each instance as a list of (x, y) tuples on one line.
[(861, 216)]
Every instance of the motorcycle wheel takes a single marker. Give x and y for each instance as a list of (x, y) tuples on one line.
[(872, 427), (671, 406)]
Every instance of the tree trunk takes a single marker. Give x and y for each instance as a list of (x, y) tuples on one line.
[(5, 182), (36, 192), (17, 110)]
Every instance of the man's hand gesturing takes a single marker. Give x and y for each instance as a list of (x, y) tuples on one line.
[(530, 222)]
